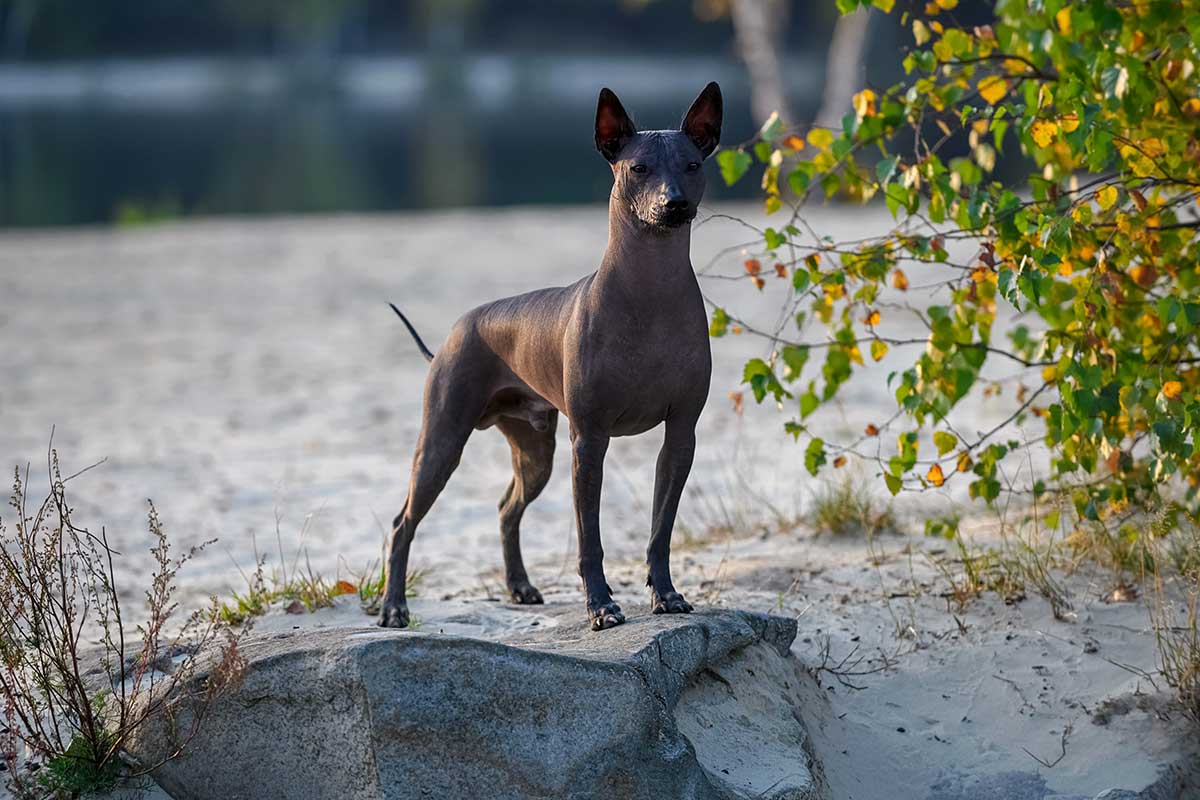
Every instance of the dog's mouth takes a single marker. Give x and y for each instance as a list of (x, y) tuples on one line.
[(673, 218)]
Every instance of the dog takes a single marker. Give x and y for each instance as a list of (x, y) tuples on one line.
[(618, 353)]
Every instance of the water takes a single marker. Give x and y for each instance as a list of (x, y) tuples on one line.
[(131, 141)]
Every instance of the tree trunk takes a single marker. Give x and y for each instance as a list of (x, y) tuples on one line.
[(758, 26), (844, 68)]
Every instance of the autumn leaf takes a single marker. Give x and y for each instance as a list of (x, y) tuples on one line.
[(935, 476), (1043, 132), (1172, 389), (872, 318), (864, 104), (793, 142), (964, 462), (1063, 18), (1106, 197), (839, 462), (737, 399), (1138, 198), (780, 270), (879, 349), (753, 266), (993, 89), (900, 280), (1048, 373), (759, 283), (343, 587), (871, 430), (820, 138), (1069, 122), (1144, 275)]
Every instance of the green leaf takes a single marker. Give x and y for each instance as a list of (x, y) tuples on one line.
[(733, 165), (893, 483), (720, 323), (772, 129), (885, 169), (794, 359), (808, 403), (945, 442), (814, 456)]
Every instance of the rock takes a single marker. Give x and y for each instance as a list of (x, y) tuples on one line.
[(673, 707)]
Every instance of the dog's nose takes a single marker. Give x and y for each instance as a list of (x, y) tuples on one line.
[(676, 203)]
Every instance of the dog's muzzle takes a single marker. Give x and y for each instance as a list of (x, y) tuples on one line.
[(674, 217)]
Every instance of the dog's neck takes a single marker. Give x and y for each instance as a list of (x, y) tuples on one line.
[(645, 260)]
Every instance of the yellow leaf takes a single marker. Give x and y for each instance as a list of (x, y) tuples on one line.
[(864, 104), (873, 318), (1172, 389), (1138, 40), (1063, 18), (1069, 122), (1048, 373), (820, 138), (993, 89), (935, 476), (1043, 132), (947, 4), (920, 32), (1153, 147), (964, 462), (900, 280), (1191, 107), (879, 349), (1065, 269), (1106, 197), (855, 355), (794, 142), (772, 204)]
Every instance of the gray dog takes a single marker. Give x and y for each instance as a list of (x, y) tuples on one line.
[(617, 352)]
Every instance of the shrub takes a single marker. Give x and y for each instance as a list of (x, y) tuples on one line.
[(1098, 261)]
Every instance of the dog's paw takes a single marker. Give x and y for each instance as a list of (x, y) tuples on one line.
[(669, 603), (394, 617), (525, 594), (605, 615)]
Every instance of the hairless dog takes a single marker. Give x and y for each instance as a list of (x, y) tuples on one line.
[(618, 352)]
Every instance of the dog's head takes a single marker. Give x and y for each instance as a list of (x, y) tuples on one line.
[(657, 174)]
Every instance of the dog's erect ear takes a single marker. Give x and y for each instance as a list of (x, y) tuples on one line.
[(703, 121), (613, 126)]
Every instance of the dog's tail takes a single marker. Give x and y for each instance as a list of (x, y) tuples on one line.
[(416, 337)]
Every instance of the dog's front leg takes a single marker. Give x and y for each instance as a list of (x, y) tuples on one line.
[(587, 474), (674, 464)]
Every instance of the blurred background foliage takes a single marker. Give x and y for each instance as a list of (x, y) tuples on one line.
[(124, 111)]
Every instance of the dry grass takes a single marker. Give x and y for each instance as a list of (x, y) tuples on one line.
[(848, 506), (67, 724)]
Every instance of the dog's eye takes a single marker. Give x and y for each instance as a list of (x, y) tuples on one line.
[(639, 168), (693, 166)]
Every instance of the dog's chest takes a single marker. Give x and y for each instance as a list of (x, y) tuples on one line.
[(633, 376)]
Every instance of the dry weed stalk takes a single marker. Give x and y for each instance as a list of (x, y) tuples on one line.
[(77, 681)]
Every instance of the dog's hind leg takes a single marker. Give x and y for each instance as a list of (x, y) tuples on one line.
[(444, 432), (532, 460)]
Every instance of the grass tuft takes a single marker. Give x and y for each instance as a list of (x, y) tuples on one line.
[(847, 507)]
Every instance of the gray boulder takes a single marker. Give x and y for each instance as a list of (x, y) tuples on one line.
[(695, 707)]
